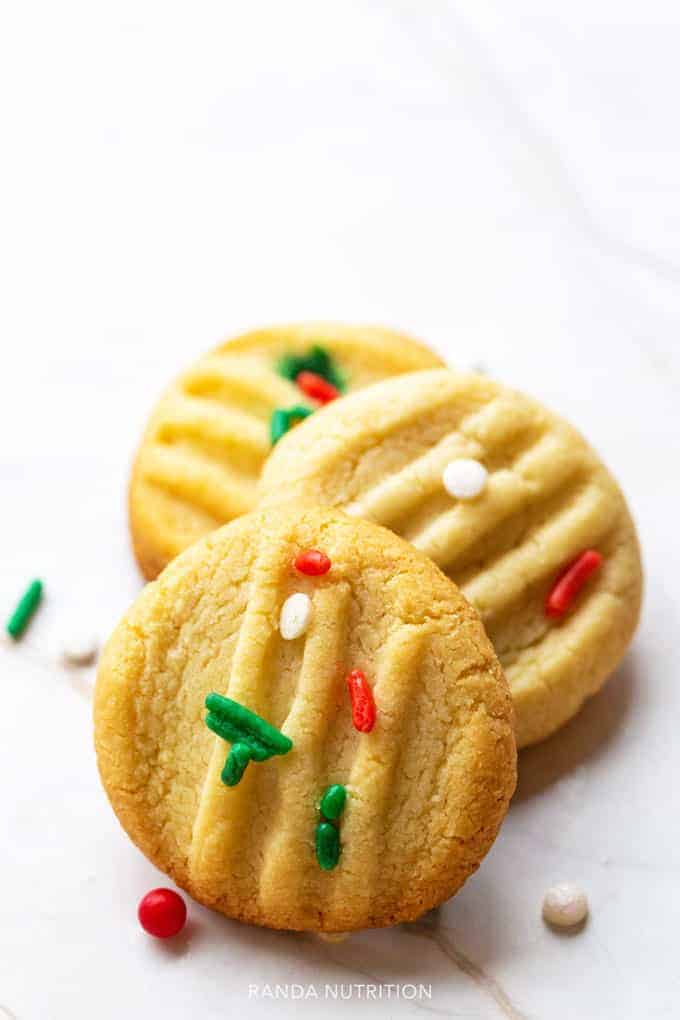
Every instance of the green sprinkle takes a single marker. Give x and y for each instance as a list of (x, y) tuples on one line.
[(28, 603), (317, 360), (242, 726), (236, 764), (298, 413), (283, 418), (288, 367), (327, 845), (251, 737), (333, 802), (278, 425)]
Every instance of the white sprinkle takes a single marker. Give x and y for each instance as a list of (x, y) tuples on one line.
[(80, 650), (464, 478), (565, 905), (296, 613)]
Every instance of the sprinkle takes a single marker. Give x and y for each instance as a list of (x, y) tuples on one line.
[(316, 387), (28, 603), (296, 613), (313, 563), (236, 764), (162, 913), (363, 705), (333, 802), (283, 419), (565, 905), (79, 650), (464, 478), (331, 806), (317, 360), (278, 425), (327, 845), (252, 738), (571, 581)]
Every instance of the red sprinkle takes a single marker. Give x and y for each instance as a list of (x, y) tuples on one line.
[(162, 913), (571, 581), (312, 562), (316, 387), (363, 705)]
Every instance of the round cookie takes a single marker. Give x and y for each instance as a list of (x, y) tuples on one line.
[(399, 454), (427, 784), (201, 455)]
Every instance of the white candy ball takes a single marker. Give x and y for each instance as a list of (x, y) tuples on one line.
[(296, 613), (79, 650), (565, 905), (464, 478)]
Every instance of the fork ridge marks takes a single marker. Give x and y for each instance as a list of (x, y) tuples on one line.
[(201, 455), (547, 498), (444, 718)]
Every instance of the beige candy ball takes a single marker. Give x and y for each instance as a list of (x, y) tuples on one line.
[(565, 905)]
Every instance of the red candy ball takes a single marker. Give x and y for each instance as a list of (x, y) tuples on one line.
[(313, 562), (162, 913)]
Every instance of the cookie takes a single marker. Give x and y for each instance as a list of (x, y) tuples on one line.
[(351, 776), (506, 498), (200, 458)]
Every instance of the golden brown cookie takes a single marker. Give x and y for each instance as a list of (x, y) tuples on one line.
[(504, 496), (201, 455), (425, 748)]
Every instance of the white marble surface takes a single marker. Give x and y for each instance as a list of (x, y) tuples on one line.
[(502, 179)]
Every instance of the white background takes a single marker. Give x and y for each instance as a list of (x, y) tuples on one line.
[(500, 178)]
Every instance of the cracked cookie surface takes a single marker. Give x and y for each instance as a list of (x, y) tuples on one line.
[(382, 454), (200, 458), (427, 788)]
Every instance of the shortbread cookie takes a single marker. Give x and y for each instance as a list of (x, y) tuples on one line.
[(505, 497), (332, 769), (201, 455)]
